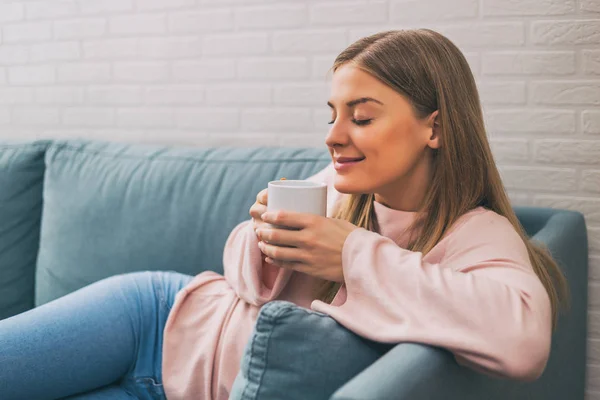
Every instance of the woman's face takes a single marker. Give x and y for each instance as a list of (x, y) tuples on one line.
[(376, 142)]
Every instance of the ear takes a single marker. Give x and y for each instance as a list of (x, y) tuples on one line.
[(435, 129)]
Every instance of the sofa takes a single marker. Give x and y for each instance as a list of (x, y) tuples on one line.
[(74, 211)]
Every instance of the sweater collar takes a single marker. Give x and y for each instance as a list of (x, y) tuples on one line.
[(394, 224)]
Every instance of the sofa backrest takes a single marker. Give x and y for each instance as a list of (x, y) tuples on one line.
[(112, 208)]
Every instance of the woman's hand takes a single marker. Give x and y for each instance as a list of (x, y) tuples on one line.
[(314, 248), (259, 208)]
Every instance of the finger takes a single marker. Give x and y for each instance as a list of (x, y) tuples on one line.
[(289, 219), (258, 225), (257, 210), (262, 197), (287, 265), (280, 237), (282, 254)]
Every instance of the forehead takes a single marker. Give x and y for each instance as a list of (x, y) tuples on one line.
[(349, 82), (348, 78)]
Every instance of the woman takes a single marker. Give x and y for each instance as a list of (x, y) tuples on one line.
[(423, 245)]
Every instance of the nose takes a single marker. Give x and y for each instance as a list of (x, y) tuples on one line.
[(337, 136)]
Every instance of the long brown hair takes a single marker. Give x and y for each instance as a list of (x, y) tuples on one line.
[(432, 73)]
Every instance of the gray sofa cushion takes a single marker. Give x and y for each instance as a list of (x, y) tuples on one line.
[(21, 181)]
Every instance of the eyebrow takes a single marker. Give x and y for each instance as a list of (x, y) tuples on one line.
[(354, 102)]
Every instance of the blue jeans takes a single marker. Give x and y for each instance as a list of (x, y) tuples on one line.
[(103, 341)]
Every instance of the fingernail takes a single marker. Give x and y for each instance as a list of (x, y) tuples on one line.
[(261, 245), (264, 215), (268, 260)]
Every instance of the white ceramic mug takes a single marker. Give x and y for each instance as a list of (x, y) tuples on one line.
[(298, 196)]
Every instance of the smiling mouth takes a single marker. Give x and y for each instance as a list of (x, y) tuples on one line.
[(348, 159), (343, 163)]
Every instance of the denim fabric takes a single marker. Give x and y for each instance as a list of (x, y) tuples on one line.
[(103, 341)]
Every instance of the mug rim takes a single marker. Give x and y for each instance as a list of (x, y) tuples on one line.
[(304, 184)]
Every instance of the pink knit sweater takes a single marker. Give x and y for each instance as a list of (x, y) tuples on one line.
[(474, 293)]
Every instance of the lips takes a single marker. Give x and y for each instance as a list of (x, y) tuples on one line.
[(344, 160), (343, 164)]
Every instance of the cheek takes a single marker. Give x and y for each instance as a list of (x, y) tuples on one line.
[(391, 163), (392, 154), (389, 155), (395, 157)]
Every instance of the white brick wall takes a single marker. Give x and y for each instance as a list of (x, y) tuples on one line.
[(253, 72)]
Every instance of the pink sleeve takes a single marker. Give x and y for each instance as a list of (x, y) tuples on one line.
[(255, 281), (482, 302)]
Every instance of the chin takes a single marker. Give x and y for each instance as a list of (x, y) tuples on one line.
[(344, 185)]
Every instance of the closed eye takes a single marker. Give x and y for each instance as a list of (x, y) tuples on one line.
[(362, 122), (358, 122)]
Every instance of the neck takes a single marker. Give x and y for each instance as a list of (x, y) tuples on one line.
[(410, 201), (408, 192)]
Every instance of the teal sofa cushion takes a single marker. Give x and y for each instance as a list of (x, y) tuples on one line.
[(113, 208), (276, 366), (21, 181)]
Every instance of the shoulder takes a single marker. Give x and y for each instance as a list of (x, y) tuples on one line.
[(485, 234), (483, 221)]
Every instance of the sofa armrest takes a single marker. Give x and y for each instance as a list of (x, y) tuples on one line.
[(414, 371)]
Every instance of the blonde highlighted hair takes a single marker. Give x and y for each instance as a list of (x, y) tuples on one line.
[(432, 74)]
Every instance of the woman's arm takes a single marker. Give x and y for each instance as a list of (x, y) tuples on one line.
[(254, 280), (483, 302)]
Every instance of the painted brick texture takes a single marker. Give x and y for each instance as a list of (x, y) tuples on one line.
[(254, 72)]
